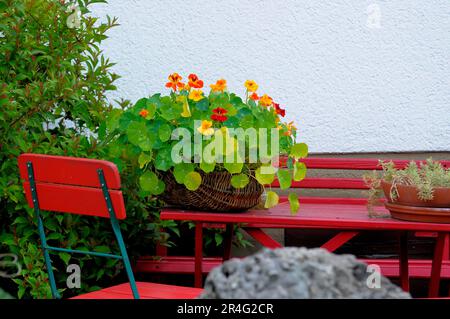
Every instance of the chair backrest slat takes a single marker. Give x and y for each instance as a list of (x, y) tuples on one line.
[(72, 185), (75, 200), (69, 170)]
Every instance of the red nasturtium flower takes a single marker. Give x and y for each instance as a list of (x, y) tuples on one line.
[(279, 110), (195, 82), (219, 114), (254, 96), (143, 113), (175, 82)]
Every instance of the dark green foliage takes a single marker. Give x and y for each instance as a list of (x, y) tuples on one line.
[(53, 85)]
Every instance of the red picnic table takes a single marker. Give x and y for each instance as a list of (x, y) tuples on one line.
[(349, 217)]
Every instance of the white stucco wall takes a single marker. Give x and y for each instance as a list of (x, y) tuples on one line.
[(353, 78)]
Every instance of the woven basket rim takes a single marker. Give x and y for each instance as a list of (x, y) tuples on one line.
[(222, 197)]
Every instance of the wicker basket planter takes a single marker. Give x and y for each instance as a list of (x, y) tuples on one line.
[(214, 194)]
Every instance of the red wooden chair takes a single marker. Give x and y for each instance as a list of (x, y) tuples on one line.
[(86, 187)]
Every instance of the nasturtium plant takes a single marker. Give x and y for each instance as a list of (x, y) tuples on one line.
[(189, 133), (239, 181)]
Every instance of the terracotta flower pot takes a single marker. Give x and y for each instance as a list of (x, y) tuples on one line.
[(419, 214), (407, 195)]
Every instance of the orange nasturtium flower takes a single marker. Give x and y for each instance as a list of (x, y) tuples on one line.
[(254, 96), (206, 128), (194, 81), (251, 85), (196, 95), (143, 113), (220, 86), (175, 82), (265, 100)]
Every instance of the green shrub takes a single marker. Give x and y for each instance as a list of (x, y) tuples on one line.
[(53, 81)]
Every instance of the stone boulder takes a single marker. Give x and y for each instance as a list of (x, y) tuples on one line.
[(297, 273)]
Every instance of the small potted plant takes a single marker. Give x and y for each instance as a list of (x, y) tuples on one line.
[(209, 151), (418, 192)]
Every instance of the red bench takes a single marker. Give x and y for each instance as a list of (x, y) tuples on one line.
[(86, 187), (324, 208)]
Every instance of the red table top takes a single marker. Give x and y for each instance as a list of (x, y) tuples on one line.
[(310, 215)]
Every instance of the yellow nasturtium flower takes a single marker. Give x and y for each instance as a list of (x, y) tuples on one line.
[(196, 95), (251, 85), (206, 128)]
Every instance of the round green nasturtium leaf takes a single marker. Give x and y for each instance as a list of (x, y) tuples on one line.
[(149, 182), (144, 159), (192, 181), (294, 203), (239, 181), (271, 199), (163, 160), (247, 121), (181, 170), (164, 132), (265, 174), (151, 108), (138, 135), (232, 122), (141, 104), (233, 168), (231, 110), (299, 171), (170, 110), (285, 178), (160, 188), (299, 150), (207, 167), (202, 105)]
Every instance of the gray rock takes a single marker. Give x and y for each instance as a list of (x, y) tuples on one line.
[(296, 273)]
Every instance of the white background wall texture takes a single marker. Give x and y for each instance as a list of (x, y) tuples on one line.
[(354, 79)]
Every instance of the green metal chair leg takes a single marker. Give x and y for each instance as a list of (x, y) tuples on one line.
[(116, 228), (48, 262)]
